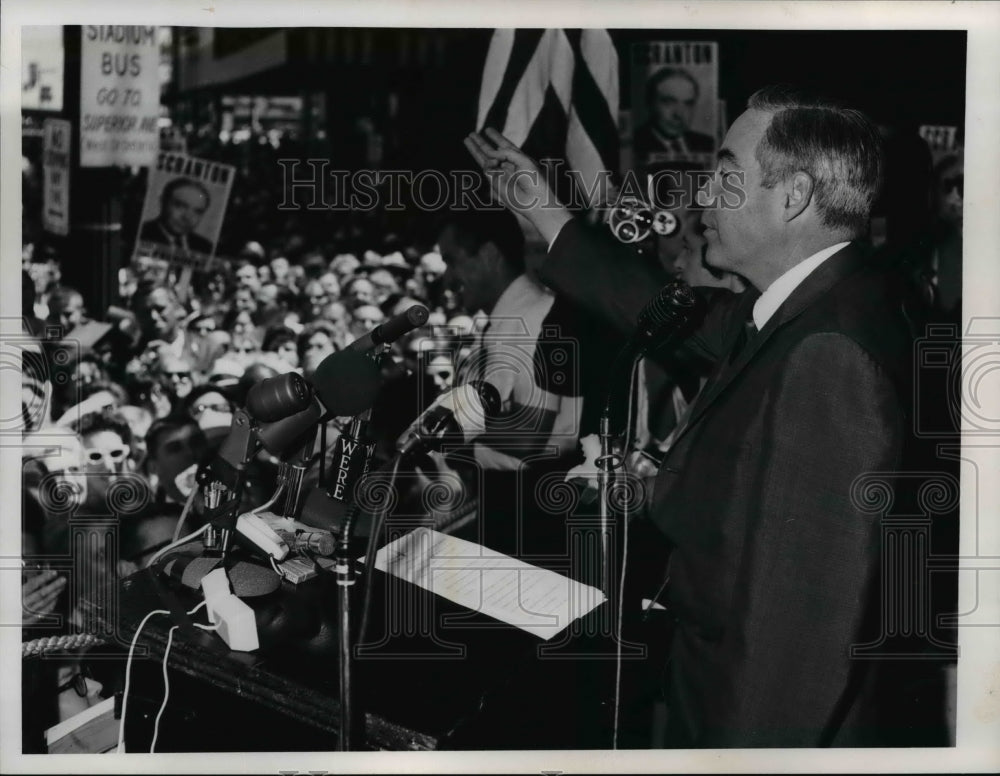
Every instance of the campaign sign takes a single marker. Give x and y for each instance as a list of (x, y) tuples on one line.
[(182, 216), (675, 102)]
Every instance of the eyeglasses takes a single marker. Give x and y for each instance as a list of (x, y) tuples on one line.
[(204, 328), (112, 454), (198, 409), (78, 682), (179, 375)]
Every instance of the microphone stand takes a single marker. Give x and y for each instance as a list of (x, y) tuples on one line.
[(606, 465), (225, 476), (345, 576)]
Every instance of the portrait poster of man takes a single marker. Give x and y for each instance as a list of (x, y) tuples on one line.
[(182, 214), (674, 91)]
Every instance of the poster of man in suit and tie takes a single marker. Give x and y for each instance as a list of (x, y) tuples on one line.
[(674, 102), (182, 214)]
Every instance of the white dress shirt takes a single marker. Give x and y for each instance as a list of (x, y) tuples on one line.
[(782, 288)]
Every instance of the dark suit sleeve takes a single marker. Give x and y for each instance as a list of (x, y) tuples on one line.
[(611, 280), (810, 557), (601, 274)]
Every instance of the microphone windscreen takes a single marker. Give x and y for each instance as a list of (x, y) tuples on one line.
[(671, 305), (398, 325), (278, 397), (347, 382), (284, 435)]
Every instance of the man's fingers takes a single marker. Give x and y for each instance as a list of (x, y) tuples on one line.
[(484, 152), (500, 141), (514, 157), (474, 149)]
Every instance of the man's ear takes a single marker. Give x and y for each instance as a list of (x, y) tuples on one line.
[(798, 194)]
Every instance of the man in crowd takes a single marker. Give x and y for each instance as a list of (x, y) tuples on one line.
[(484, 252), (545, 356), (774, 573)]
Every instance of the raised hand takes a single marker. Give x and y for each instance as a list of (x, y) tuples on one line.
[(517, 182)]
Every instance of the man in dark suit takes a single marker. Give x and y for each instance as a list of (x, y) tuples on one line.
[(775, 568), (671, 96), (183, 203)]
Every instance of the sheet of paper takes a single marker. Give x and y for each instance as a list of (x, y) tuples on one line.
[(533, 599)]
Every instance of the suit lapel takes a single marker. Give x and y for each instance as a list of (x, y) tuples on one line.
[(842, 264)]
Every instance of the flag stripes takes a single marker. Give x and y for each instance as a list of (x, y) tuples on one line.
[(554, 93)]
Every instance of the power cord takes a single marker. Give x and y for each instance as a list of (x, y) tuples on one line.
[(178, 543), (166, 690), (621, 582), (184, 513), (128, 677), (166, 682)]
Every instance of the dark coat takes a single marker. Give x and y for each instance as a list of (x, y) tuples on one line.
[(774, 571)]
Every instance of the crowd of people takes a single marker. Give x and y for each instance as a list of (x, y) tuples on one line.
[(139, 394), (119, 406)]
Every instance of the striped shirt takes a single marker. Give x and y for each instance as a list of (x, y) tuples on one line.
[(530, 351)]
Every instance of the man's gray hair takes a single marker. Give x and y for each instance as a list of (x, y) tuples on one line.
[(840, 148)]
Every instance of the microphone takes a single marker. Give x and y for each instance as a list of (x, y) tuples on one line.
[(666, 313), (275, 398), (392, 329), (457, 416), (345, 383)]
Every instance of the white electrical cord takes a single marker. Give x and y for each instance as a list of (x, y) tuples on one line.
[(128, 677), (178, 543), (270, 502), (184, 513), (166, 683), (621, 583), (166, 690), (618, 633)]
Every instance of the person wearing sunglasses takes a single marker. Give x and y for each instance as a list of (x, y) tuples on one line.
[(177, 376), (211, 407), (441, 369), (107, 442)]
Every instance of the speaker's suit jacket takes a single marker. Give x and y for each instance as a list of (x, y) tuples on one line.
[(774, 571)]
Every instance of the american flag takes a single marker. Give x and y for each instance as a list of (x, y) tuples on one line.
[(554, 93)]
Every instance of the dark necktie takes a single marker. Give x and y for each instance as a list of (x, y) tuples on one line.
[(746, 333), (483, 351)]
